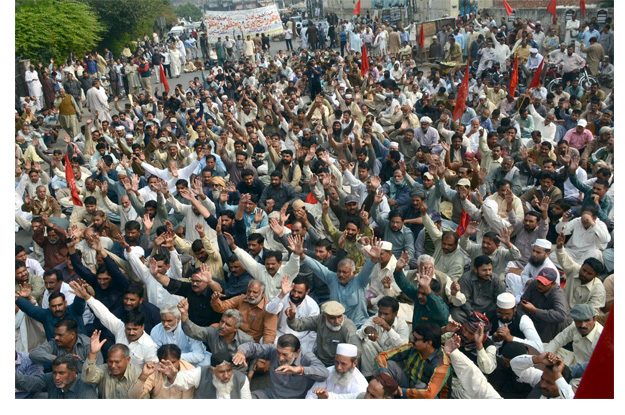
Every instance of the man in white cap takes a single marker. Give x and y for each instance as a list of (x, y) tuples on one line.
[(344, 376), (427, 136), (332, 327), (539, 259), (511, 326), (381, 283)]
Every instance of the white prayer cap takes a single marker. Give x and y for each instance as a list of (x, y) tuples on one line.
[(346, 349), (543, 243), (119, 128), (482, 96), (533, 50), (491, 204), (394, 145), (387, 246), (426, 119), (348, 96), (506, 301), (137, 250)]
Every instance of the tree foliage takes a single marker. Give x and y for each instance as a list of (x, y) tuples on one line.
[(129, 19), (189, 12), (51, 29)]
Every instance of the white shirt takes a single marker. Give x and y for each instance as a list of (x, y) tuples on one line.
[(471, 377), (154, 291), (65, 290), (191, 379), (34, 268), (307, 308), (141, 351), (526, 325), (397, 336), (530, 271), (193, 351), (357, 385), (375, 289), (570, 191), (582, 240), (523, 367)]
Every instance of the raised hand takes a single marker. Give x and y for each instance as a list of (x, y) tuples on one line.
[(148, 367), (200, 229), (239, 358), (25, 290), (183, 306), (472, 228), (79, 290), (561, 240), (205, 273), (379, 197), (229, 240), (342, 239), (258, 215), (504, 236), (167, 369), (452, 344), (364, 216), (290, 312), (402, 261), (455, 288), (325, 205), (148, 222), (452, 327), (96, 344), (285, 285), (375, 250), (296, 244)]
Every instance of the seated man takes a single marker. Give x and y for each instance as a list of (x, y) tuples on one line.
[(292, 371), (448, 258), (332, 327), (380, 333), (428, 306), (551, 382), (480, 288), (225, 337), (499, 255), (169, 332), (545, 304), (538, 260), (511, 326), (305, 306), (584, 333), (67, 341), (427, 373), (382, 386), (62, 383), (129, 332), (150, 385), (216, 381), (344, 377), (588, 236), (115, 378)]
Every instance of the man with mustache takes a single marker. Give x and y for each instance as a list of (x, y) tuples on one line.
[(62, 383), (513, 327), (292, 371), (217, 381)]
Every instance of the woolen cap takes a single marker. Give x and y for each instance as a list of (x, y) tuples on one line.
[(582, 312), (333, 308)]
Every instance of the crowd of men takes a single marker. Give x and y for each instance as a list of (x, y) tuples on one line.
[(287, 217)]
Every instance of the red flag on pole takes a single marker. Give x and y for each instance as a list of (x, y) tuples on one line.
[(421, 38), (536, 79), (163, 79), (71, 182), (364, 62), (582, 5), (598, 379), (509, 8), (357, 8), (551, 8), (514, 78), (464, 222), (461, 96)]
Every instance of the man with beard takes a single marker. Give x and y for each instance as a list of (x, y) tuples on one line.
[(62, 383), (550, 383), (129, 332), (533, 227), (169, 332), (235, 170), (583, 333), (150, 384), (511, 326), (332, 327), (380, 333), (480, 288), (276, 194), (291, 172), (538, 260), (217, 381), (545, 304), (382, 386), (427, 373), (67, 341), (225, 336), (59, 310), (53, 244), (103, 226), (301, 302), (292, 371), (344, 378), (115, 378), (134, 299), (428, 306)]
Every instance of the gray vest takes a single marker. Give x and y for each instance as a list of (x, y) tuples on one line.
[(206, 389)]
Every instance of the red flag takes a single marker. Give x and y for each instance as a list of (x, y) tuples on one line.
[(310, 199), (464, 222), (71, 182), (163, 79), (551, 8), (536, 79), (509, 8), (514, 78), (364, 62), (357, 8), (582, 5), (421, 38), (598, 379), (461, 96)]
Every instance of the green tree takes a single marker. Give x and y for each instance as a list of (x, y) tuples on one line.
[(51, 29), (189, 12), (125, 20)]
